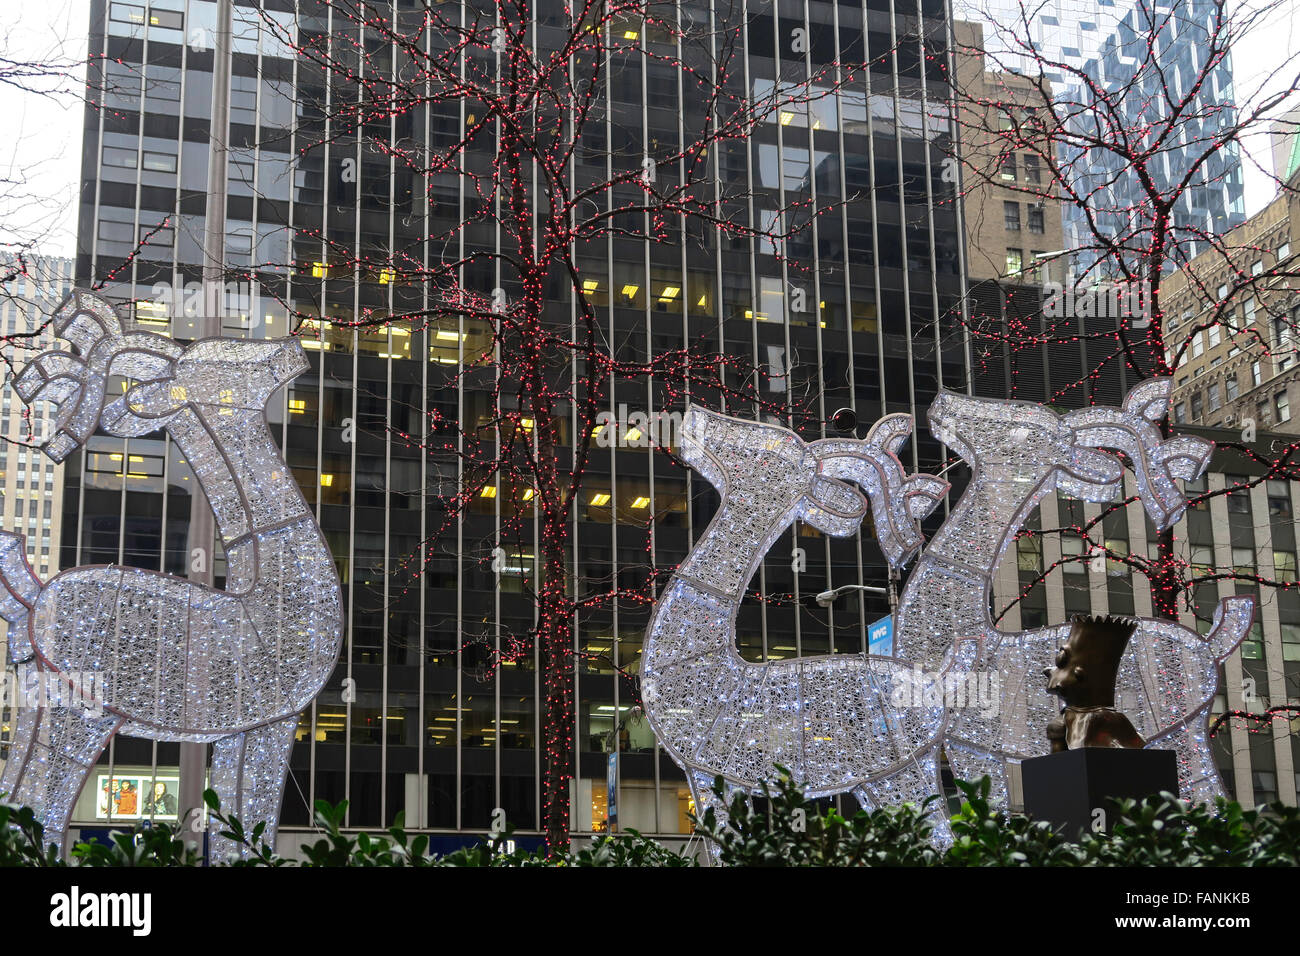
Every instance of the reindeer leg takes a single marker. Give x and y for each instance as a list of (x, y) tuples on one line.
[(248, 773), (969, 764), (20, 745), (52, 756), (701, 785), (1198, 775), (914, 783)]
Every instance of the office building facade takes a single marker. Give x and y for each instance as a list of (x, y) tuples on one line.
[(1244, 370)]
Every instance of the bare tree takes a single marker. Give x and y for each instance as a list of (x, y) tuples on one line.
[(510, 106), (1140, 144)]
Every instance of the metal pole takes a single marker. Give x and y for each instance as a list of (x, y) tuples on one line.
[(193, 758)]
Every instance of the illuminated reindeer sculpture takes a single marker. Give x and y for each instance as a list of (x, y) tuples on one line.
[(1020, 452), (175, 660), (828, 719)]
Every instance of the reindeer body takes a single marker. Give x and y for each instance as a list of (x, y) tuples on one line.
[(830, 720), (177, 660)]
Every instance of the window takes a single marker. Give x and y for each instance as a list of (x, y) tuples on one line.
[(1044, 268), (1198, 345), (1256, 376), (1290, 642), (1238, 487), (1279, 498), (1230, 386), (1011, 216), (1213, 396), (160, 162), (1281, 332), (1283, 251), (1072, 548), (167, 90), (1115, 549), (1035, 219), (1215, 334), (1180, 412), (123, 158), (166, 19), (1008, 170), (1264, 783), (239, 244), (1284, 568), (1283, 406), (1032, 173), (1223, 292), (1029, 553), (1202, 559), (110, 231), (126, 13), (1015, 261), (1243, 560), (164, 237), (1198, 406), (1257, 267)]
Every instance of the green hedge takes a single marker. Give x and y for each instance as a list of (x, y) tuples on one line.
[(781, 828)]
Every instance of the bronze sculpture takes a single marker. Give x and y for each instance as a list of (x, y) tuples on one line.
[(1084, 679)]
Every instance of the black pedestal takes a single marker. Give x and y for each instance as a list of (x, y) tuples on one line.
[(1066, 788)]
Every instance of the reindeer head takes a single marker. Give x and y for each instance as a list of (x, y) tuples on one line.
[(215, 377), (217, 372), (1158, 464), (777, 476), (1023, 442)]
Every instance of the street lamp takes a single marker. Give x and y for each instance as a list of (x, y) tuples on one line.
[(827, 598)]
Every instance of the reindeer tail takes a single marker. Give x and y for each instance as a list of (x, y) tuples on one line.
[(19, 585), (1232, 620)]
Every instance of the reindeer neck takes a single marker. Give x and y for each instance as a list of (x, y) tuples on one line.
[(947, 595), (696, 614), (248, 486), (989, 513), (727, 555)]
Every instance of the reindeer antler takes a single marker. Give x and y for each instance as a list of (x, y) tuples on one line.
[(898, 500), (70, 383), (1158, 463), (77, 383)]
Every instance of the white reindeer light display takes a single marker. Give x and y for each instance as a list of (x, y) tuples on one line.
[(839, 722), (1019, 452), (175, 660), (827, 719)]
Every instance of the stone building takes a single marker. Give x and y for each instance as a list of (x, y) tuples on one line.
[(1240, 371)]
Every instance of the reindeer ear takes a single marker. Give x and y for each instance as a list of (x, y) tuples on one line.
[(1150, 399), (835, 508), (891, 432), (84, 318), (924, 492), (1186, 456)]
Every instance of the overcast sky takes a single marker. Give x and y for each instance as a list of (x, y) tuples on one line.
[(43, 142)]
